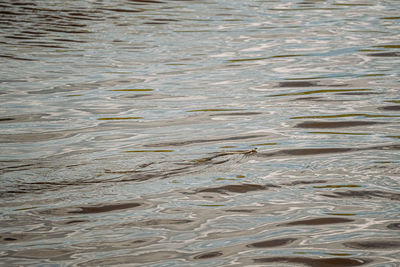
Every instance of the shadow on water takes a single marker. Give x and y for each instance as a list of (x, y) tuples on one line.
[(63, 26), (272, 243), (106, 208), (318, 221), (315, 262), (374, 244), (365, 194), (242, 188), (385, 54), (219, 160), (336, 124)]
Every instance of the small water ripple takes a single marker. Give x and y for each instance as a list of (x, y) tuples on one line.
[(199, 133)]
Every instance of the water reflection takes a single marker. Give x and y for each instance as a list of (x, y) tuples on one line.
[(217, 133), (314, 261)]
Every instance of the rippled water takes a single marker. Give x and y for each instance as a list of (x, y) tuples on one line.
[(200, 133)]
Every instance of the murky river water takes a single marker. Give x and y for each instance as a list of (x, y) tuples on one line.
[(200, 133)]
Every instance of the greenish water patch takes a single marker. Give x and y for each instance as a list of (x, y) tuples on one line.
[(225, 179), (388, 46), (369, 50), (72, 95), (339, 254), (373, 75), (265, 144), (246, 59), (280, 56), (30, 208)]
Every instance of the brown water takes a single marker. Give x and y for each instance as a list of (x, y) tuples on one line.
[(200, 133)]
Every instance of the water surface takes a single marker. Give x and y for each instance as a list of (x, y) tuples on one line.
[(200, 133)]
